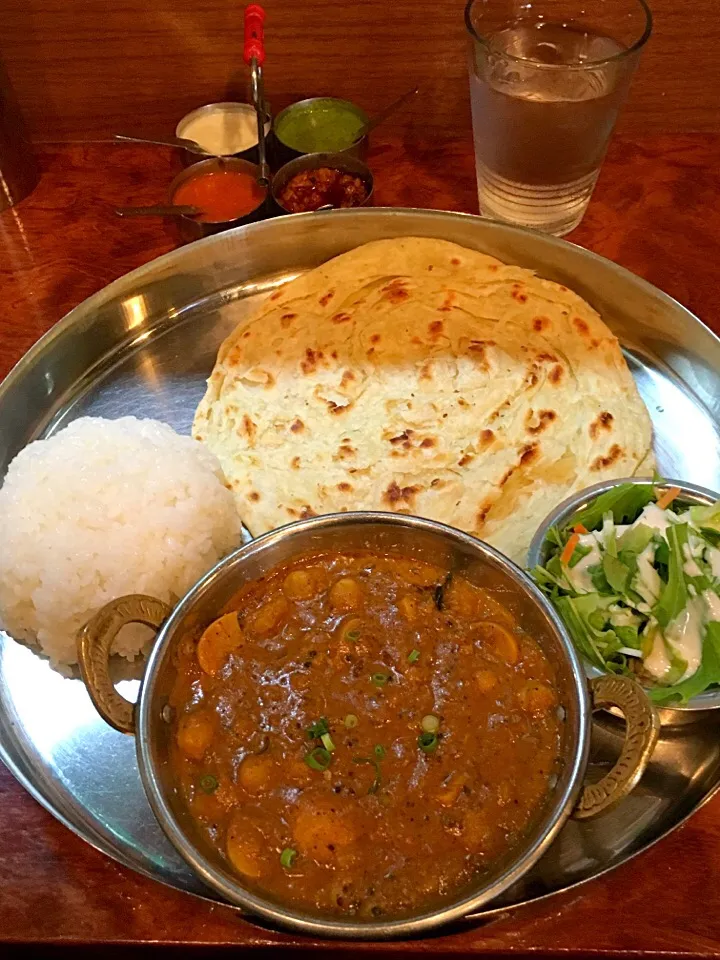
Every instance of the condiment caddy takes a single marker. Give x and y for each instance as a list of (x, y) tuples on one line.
[(230, 148)]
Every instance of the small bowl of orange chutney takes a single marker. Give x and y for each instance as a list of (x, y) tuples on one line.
[(226, 192), (364, 725)]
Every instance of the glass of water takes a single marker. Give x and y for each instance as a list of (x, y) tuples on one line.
[(547, 80)]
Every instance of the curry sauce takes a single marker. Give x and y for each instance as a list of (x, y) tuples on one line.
[(365, 735)]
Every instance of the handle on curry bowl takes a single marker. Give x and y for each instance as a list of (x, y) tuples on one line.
[(642, 727), (94, 643)]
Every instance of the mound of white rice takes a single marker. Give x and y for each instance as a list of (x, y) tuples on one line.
[(101, 509)]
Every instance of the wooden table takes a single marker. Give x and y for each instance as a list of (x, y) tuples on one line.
[(656, 211)]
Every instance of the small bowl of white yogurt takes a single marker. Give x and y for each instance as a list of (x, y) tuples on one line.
[(223, 130)]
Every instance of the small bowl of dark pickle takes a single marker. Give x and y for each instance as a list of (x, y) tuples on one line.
[(322, 181)]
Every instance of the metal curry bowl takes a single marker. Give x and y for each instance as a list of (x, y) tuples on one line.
[(562, 516), (386, 533)]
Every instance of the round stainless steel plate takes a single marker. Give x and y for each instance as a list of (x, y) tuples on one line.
[(145, 345)]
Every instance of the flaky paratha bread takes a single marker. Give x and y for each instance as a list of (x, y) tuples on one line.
[(417, 376)]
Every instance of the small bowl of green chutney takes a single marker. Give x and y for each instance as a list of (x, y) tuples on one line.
[(320, 125)]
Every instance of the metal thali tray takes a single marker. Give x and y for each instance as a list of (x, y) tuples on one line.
[(145, 345)]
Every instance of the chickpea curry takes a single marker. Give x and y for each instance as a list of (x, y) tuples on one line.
[(364, 734)]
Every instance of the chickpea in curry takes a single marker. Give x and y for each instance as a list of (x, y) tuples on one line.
[(364, 734)]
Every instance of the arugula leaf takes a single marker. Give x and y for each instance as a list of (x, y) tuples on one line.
[(609, 536), (711, 537), (554, 538), (544, 579), (647, 638), (678, 666), (674, 596), (631, 562), (662, 553), (704, 579), (583, 637), (625, 502), (632, 597), (586, 616), (701, 583), (707, 674), (627, 624), (706, 518), (616, 573), (598, 619), (599, 580), (662, 559), (551, 577), (579, 552), (628, 635), (636, 539)]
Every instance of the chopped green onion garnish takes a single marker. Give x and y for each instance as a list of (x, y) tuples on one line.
[(428, 742), (326, 740), (430, 724), (351, 721), (413, 656), (318, 759), (374, 761), (317, 729), (353, 635), (287, 857), (379, 752), (380, 679), (208, 783)]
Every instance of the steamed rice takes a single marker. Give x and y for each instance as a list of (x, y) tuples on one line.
[(102, 509)]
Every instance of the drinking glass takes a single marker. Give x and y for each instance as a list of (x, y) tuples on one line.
[(547, 80)]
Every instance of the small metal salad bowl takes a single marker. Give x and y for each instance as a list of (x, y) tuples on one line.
[(152, 720), (563, 517)]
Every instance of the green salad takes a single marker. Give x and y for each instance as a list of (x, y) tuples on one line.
[(636, 580)]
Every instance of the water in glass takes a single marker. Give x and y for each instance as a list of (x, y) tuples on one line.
[(545, 97)]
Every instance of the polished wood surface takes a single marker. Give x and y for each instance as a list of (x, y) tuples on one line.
[(657, 212), (92, 68)]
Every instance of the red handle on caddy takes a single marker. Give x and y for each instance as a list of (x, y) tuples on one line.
[(254, 36)]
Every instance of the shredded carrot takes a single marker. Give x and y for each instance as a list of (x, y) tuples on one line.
[(579, 528), (569, 549), (667, 498)]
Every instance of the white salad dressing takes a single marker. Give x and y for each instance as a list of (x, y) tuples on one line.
[(647, 580), (690, 566), (622, 617), (712, 605), (578, 575), (657, 663), (685, 636), (713, 558), (652, 516)]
